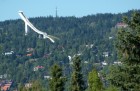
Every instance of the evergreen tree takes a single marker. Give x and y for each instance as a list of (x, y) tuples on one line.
[(94, 82), (57, 81), (77, 82), (127, 76)]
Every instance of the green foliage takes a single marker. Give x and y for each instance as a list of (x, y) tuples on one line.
[(112, 88), (127, 76), (34, 86), (94, 82), (57, 81), (37, 86), (77, 82)]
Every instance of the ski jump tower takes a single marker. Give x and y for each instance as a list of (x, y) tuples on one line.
[(29, 24)]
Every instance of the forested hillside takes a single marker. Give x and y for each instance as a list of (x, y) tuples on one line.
[(26, 58)]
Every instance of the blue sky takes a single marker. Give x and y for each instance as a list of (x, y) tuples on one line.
[(34, 8)]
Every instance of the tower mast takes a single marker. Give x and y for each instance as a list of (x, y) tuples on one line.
[(56, 13)]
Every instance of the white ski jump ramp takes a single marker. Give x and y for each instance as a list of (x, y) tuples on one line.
[(28, 23)]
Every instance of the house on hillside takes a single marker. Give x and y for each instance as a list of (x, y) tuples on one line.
[(47, 77), (104, 63), (30, 50), (121, 25), (8, 53), (28, 85), (29, 55), (38, 67), (117, 62), (105, 54)]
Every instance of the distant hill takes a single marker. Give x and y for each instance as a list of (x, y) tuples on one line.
[(92, 37)]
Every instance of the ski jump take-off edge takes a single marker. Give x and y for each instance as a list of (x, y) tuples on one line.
[(29, 24)]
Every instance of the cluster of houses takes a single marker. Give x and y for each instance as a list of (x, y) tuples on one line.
[(29, 53), (104, 63), (5, 85)]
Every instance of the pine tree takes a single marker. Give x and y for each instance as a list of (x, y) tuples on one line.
[(94, 82), (77, 82), (127, 76), (57, 81)]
